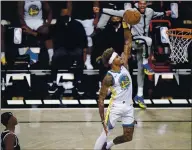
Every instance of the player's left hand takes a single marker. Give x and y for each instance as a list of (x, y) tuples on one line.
[(168, 12)]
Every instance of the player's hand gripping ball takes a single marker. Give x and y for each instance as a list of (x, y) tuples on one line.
[(132, 17)]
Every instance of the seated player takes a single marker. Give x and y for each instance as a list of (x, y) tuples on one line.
[(31, 19)]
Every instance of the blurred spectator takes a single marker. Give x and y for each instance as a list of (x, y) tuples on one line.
[(70, 43), (140, 34), (116, 5), (83, 11), (31, 18), (9, 140)]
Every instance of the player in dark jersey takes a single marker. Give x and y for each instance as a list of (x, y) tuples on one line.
[(9, 140)]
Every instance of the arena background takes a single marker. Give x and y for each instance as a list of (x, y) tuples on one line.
[(26, 87)]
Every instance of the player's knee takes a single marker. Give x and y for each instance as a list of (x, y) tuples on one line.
[(43, 30), (43, 33)]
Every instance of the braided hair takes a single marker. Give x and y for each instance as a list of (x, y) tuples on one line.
[(106, 56)]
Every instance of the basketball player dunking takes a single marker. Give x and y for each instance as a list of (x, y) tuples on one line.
[(140, 33), (9, 140), (119, 81)]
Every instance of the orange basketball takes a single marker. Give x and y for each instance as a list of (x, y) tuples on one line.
[(132, 17)]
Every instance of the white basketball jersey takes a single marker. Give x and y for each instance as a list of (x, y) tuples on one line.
[(33, 10), (122, 87)]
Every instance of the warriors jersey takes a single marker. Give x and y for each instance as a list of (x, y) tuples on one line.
[(33, 10), (3, 136), (122, 86)]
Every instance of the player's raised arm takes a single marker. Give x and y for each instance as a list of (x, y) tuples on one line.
[(107, 82), (118, 13), (127, 45)]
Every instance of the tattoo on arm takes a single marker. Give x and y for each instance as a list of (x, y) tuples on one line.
[(126, 137), (128, 42), (107, 82)]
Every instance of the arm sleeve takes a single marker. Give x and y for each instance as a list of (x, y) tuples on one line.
[(157, 14), (112, 12)]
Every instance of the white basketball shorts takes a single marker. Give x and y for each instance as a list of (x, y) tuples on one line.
[(34, 24), (123, 111)]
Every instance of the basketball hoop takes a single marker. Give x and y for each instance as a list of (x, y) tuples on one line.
[(179, 40)]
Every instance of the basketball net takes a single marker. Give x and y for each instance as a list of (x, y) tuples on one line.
[(179, 40)]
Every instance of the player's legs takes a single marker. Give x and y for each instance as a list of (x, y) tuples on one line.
[(61, 60), (128, 124), (89, 29), (140, 78), (111, 120), (147, 42), (43, 31)]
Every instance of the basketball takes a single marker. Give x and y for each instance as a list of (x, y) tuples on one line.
[(132, 17)]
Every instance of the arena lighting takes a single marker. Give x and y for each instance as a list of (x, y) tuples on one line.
[(179, 101), (15, 102), (161, 101), (88, 101), (29, 102), (51, 101), (70, 101)]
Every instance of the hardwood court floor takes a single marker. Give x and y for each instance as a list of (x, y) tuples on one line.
[(79, 128)]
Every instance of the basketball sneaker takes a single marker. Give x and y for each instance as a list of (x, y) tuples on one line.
[(140, 101), (104, 146), (147, 69)]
